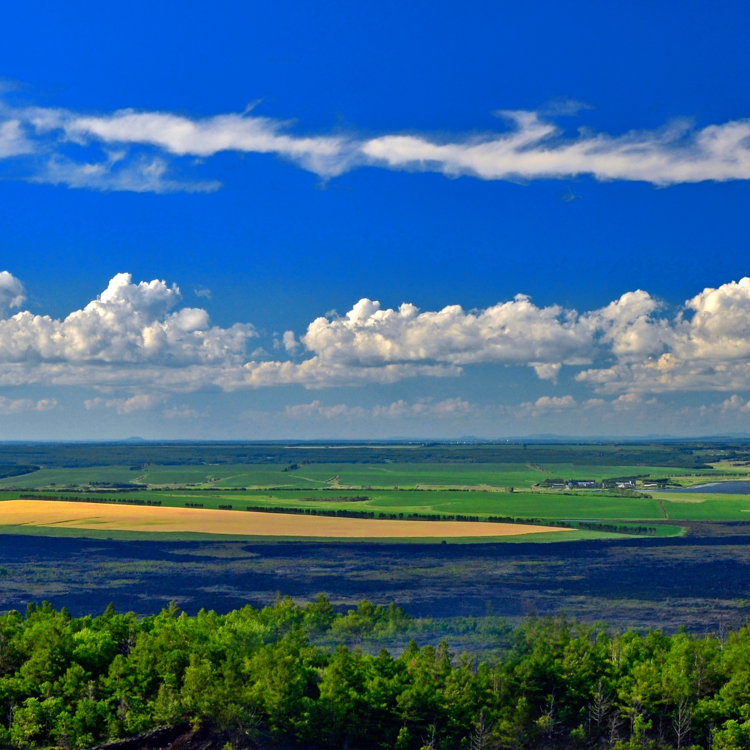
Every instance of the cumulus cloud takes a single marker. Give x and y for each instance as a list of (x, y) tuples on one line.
[(633, 344), (545, 405), (735, 404), (12, 293), (127, 323), (139, 402), (629, 328), (130, 335), (510, 332), (706, 346), (290, 343), (316, 373), (556, 405), (136, 336), (547, 370), (138, 148), (317, 409), (18, 405), (451, 407)]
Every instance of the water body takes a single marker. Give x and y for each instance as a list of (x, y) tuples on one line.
[(717, 488)]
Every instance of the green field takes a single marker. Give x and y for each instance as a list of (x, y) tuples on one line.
[(554, 536), (392, 481), (517, 505), (358, 476)]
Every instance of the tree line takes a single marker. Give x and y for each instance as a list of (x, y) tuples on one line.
[(259, 675)]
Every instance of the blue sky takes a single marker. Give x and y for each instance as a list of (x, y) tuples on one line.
[(258, 169)]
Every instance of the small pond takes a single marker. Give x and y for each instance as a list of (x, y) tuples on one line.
[(717, 488)]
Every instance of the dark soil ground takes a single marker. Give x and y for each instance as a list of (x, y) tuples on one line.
[(701, 580)]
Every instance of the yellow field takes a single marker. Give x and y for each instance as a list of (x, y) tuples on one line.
[(135, 518)]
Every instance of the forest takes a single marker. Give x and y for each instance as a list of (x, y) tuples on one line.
[(265, 677), (136, 455)]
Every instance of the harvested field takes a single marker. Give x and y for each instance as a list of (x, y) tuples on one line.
[(100, 517)]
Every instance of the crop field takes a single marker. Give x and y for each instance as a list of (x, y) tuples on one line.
[(332, 487), (689, 507), (517, 505), (77, 515), (145, 524)]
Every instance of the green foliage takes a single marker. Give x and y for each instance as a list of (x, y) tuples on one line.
[(141, 457), (75, 682)]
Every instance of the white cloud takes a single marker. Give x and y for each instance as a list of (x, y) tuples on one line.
[(131, 335), (13, 141), (316, 373), (179, 135), (452, 407), (18, 405), (12, 293), (720, 325), (316, 409), (556, 405), (290, 343), (139, 402), (182, 136), (127, 323), (547, 370), (511, 332), (705, 347), (116, 173), (628, 327), (735, 404), (533, 147), (545, 405), (135, 336), (669, 373)]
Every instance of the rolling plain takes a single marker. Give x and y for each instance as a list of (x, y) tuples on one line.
[(409, 485), (443, 529)]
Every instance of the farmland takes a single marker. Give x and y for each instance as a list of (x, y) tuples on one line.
[(90, 516), (614, 554), (402, 484)]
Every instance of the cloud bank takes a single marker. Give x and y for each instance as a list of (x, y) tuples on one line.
[(450, 408), (138, 150), (137, 336)]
